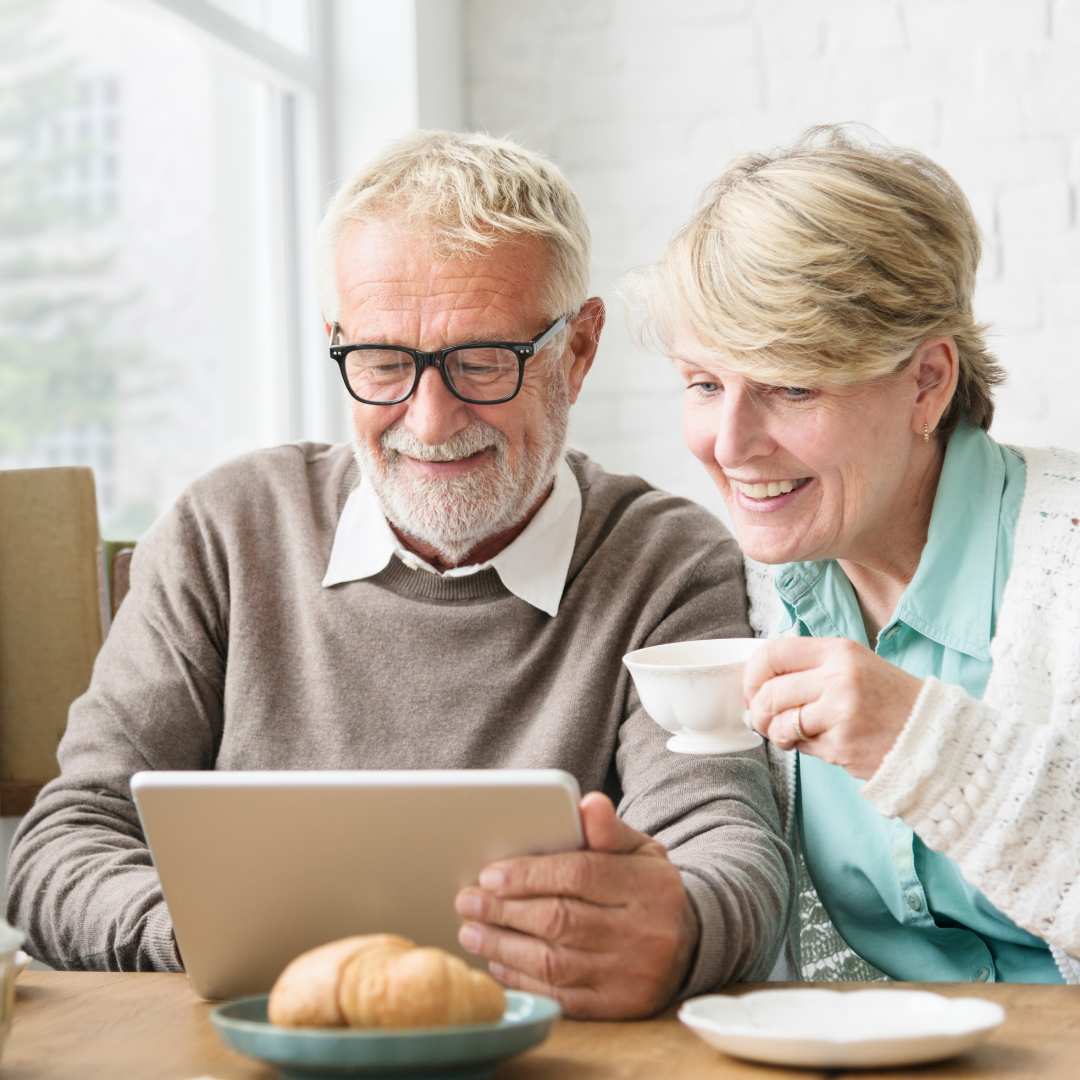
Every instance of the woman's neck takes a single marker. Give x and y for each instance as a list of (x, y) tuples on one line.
[(884, 561)]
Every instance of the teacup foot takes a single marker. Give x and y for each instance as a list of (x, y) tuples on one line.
[(686, 743)]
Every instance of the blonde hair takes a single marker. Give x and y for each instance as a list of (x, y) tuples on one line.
[(464, 193), (826, 263)]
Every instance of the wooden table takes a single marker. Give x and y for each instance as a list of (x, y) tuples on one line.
[(88, 1026)]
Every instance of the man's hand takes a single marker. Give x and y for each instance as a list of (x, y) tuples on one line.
[(607, 932), (854, 703)]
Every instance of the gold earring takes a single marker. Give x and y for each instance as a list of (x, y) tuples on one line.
[(926, 433)]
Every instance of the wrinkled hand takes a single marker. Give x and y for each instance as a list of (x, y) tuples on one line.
[(854, 703), (607, 932)]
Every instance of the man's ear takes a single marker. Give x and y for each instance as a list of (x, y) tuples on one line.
[(585, 331), (935, 367)]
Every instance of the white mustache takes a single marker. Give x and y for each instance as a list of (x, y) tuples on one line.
[(462, 444)]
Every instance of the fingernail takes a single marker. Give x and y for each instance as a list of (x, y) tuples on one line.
[(492, 879), (497, 970), (469, 905), (470, 938)]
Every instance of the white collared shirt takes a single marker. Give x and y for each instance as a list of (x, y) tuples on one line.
[(533, 567)]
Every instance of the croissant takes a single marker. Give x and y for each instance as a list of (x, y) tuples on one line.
[(383, 981)]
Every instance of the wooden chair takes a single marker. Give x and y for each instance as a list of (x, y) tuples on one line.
[(56, 604), (117, 556)]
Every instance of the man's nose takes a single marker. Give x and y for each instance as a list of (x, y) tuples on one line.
[(433, 413), (742, 434)]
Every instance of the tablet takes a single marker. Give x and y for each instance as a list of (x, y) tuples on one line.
[(257, 867)]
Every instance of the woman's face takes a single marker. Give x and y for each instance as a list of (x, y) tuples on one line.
[(806, 473)]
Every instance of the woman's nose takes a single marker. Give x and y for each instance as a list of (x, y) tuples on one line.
[(742, 434), (433, 413)]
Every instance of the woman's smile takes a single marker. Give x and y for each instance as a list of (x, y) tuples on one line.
[(765, 496)]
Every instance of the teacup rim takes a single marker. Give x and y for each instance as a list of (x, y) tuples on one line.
[(632, 658)]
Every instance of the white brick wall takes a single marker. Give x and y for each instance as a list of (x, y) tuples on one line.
[(641, 102)]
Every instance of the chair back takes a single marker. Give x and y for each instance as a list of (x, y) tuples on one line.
[(117, 571), (54, 615)]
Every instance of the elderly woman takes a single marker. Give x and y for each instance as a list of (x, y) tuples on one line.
[(839, 392)]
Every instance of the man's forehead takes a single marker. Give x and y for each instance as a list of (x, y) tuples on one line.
[(382, 270)]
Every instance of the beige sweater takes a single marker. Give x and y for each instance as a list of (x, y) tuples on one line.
[(228, 653)]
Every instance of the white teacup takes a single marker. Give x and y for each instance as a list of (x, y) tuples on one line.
[(694, 690)]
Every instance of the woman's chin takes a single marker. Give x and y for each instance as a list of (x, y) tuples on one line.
[(765, 543)]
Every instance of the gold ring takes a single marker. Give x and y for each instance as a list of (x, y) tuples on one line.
[(798, 730)]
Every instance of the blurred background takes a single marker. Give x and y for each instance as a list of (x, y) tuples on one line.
[(164, 164)]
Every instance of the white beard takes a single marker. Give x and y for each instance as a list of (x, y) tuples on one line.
[(457, 514)]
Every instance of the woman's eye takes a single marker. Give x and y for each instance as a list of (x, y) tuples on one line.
[(705, 387), (794, 393)]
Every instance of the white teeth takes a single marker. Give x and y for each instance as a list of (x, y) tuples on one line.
[(769, 490)]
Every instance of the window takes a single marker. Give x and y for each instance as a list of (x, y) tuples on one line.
[(160, 184)]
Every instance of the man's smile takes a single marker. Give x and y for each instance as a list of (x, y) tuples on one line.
[(446, 470)]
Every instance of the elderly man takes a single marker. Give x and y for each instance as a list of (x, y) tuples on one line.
[(454, 592)]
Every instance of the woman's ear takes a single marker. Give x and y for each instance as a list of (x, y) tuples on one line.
[(936, 369)]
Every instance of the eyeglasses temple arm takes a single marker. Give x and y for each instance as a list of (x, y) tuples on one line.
[(547, 335)]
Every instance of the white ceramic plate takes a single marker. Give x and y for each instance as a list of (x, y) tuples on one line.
[(862, 1029)]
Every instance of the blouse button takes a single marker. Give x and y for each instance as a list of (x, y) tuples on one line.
[(914, 900), (980, 975)]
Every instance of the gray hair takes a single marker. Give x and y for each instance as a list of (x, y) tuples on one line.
[(464, 193)]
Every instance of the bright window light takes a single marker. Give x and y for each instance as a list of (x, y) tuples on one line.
[(288, 22), (158, 198)]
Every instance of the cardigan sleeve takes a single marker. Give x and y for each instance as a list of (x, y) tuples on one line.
[(998, 794), (995, 784)]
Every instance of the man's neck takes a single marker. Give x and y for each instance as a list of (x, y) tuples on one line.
[(486, 550)]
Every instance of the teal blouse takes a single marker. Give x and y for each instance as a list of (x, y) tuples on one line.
[(899, 905)]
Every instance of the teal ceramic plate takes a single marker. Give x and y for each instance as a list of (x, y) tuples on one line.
[(464, 1052)]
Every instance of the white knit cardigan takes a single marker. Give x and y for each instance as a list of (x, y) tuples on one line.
[(992, 784)]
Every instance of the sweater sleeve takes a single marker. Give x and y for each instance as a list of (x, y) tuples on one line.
[(998, 794), (80, 879), (716, 814)]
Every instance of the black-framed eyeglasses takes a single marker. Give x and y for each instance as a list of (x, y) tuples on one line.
[(481, 372)]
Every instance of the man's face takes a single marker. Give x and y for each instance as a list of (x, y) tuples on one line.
[(449, 473)]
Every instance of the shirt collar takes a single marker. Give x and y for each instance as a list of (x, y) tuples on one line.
[(950, 599), (533, 567)]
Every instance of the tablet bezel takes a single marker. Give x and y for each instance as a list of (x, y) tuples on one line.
[(232, 850)]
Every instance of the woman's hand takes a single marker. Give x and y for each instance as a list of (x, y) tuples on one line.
[(854, 703)]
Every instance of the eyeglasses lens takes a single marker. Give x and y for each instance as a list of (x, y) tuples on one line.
[(380, 374), (488, 374)]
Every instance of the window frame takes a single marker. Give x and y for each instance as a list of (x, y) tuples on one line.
[(301, 85)]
